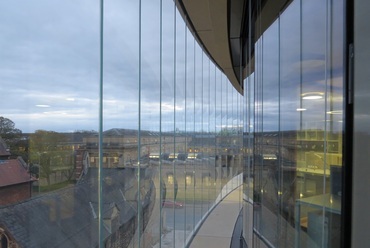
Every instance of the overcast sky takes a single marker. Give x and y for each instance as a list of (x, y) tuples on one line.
[(49, 68)]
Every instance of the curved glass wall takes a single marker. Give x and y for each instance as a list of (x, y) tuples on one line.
[(295, 115), (132, 150)]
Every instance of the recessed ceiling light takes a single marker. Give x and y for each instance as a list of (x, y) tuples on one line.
[(301, 109), (312, 95), (43, 106), (335, 112)]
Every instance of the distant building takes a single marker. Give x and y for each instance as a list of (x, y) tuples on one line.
[(121, 146)]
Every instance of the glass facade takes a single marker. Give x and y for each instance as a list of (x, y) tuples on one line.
[(119, 135), (296, 126), (118, 129)]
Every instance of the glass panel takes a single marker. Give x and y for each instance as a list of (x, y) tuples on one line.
[(321, 136), (179, 127), (151, 185), (305, 179), (218, 129), (169, 140), (169, 174), (269, 154), (197, 194), (290, 112), (248, 172), (258, 138), (49, 110), (206, 138), (222, 139), (188, 168), (122, 65), (212, 135)]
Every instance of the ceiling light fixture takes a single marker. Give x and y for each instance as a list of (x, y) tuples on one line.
[(301, 109), (335, 112), (312, 95)]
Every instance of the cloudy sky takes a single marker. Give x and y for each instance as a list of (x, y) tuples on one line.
[(49, 68), (50, 65)]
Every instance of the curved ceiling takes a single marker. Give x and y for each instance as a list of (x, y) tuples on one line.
[(209, 21), (220, 29)]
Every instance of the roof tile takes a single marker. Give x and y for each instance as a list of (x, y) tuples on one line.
[(12, 172)]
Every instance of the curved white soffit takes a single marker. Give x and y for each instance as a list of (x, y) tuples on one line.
[(208, 21)]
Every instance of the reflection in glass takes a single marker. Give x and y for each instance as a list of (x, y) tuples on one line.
[(170, 140), (297, 124)]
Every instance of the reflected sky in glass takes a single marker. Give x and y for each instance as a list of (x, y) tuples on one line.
[(50, 60), (50, 64)]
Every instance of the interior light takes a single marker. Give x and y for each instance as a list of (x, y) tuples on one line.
[(335, 112), (312, 95), (301, 109), (43, 106)]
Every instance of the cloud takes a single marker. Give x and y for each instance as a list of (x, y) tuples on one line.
[(50, 57)]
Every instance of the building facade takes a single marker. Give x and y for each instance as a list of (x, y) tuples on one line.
[(168, 106), (300, 64), (297, 91)]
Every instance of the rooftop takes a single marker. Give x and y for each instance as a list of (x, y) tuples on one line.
[(68, 217), (12, 172)]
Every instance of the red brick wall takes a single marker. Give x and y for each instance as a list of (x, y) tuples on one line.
[(14, 193)]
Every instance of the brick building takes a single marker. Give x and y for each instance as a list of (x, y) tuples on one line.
[(15, 181)]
